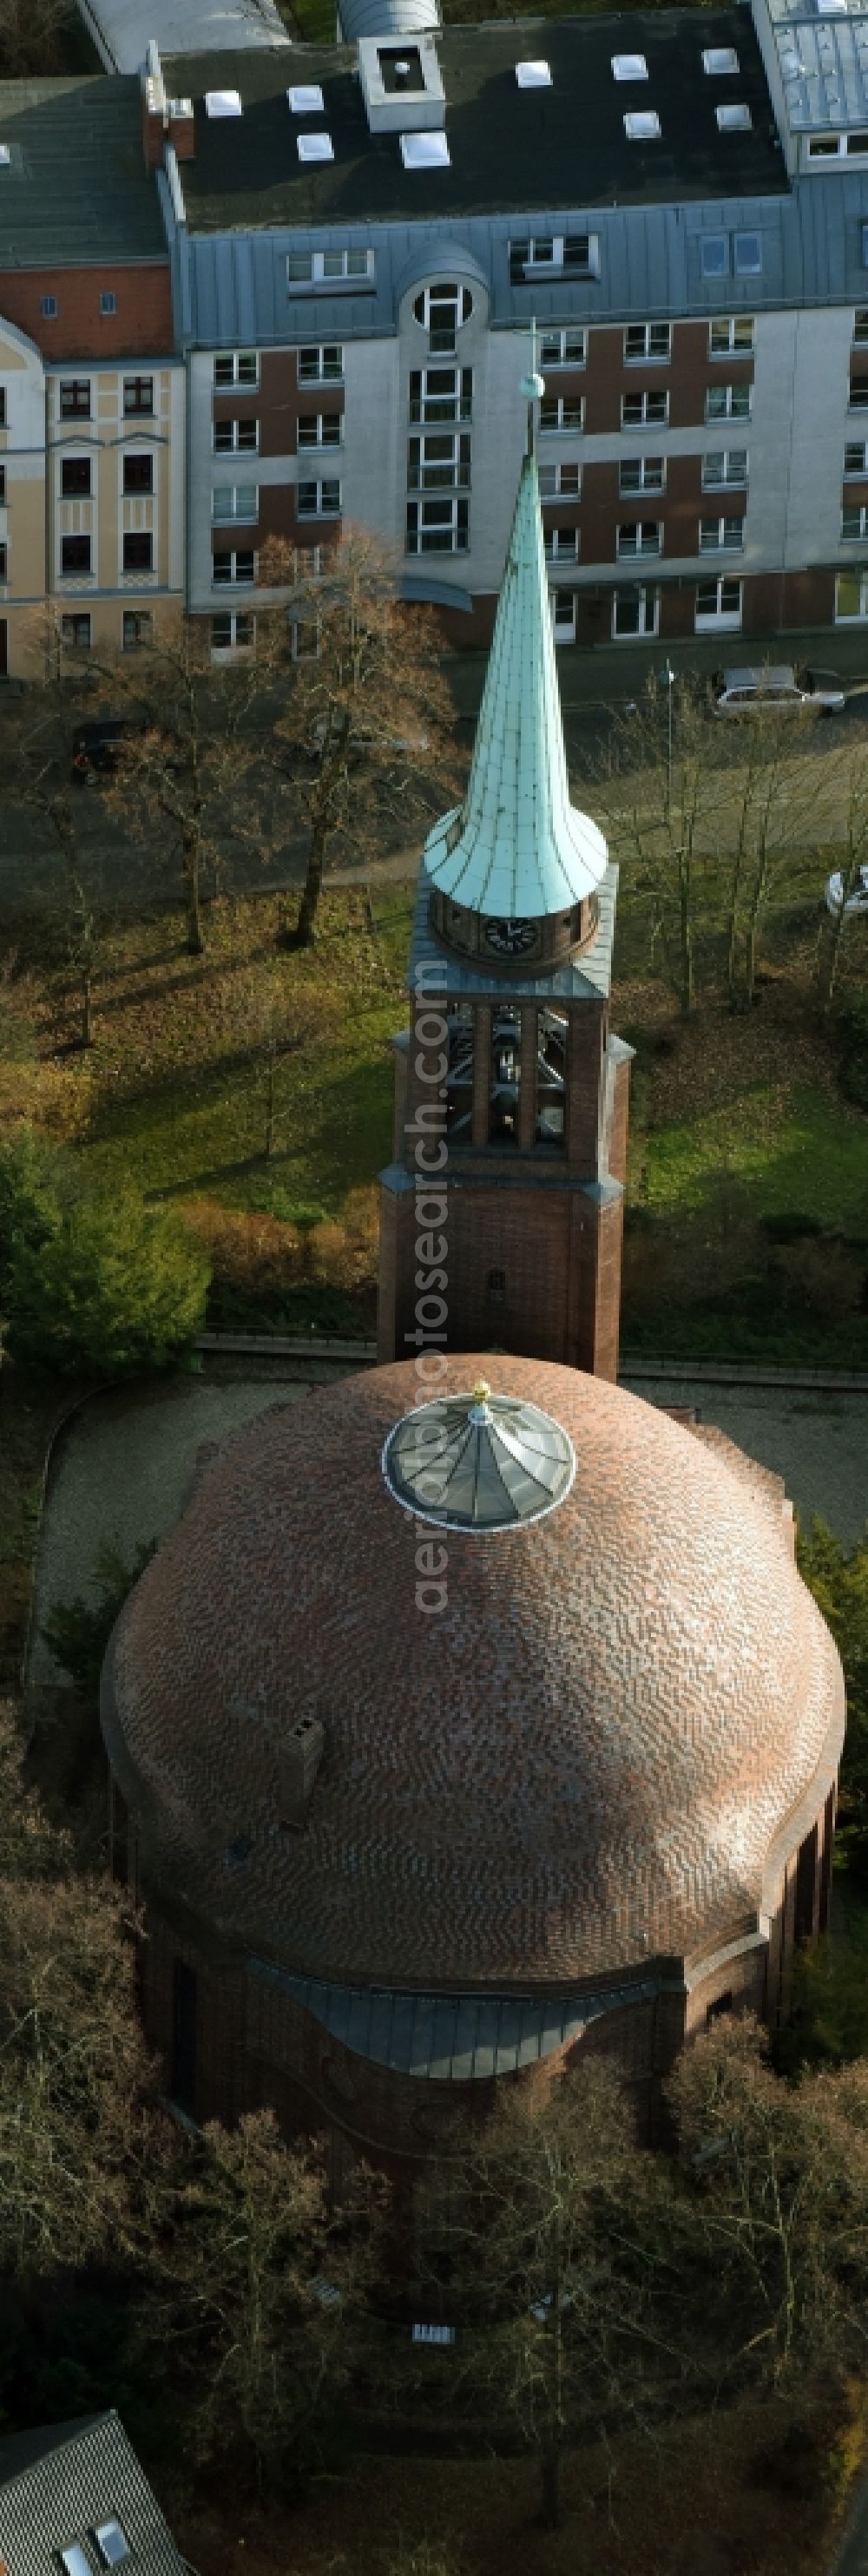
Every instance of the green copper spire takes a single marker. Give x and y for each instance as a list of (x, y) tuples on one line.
[(517, 847)]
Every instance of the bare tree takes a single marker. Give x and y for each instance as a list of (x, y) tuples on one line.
[(663, 796), (37, 742), (32, 36), (195, 743), (853, 843), (361, 742)]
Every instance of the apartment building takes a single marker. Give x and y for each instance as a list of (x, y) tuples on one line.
[(359, 252), (92, 393)]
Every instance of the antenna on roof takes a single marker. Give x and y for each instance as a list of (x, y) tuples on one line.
[(533, 387)]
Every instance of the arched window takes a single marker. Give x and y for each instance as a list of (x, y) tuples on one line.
[(442, 310)]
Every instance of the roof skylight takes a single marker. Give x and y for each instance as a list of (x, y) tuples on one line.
[(831, 8), (75, 2559), (223, 102), (111, 2542), (642, 125), (717, 60), (5, 156), (535, 75), (425, 151), (733, 120), (629, 67), (315, 147), (307, 100)]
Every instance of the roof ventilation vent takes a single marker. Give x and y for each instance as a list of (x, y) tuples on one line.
[(424, 152), (223, 102), (718, 60), (298, 1761), (629, 67), (307, 100), (733, 120), (314, 147), (536, 75), (642, 125), (401, 84)]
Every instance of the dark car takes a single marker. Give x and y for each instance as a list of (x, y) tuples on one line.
[(95, 748)]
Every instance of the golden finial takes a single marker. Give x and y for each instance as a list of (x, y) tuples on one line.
[(481, 1391)]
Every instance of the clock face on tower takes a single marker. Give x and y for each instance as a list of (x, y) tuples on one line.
[(511, 938)]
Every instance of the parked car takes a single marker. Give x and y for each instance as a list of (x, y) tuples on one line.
[(95, 748), (779, 690), (856, 902)]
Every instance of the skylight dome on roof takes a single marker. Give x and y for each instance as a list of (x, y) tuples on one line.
[(425, 151), (479, 1461), (629, 67), (717, 60), (536, 75), (307, 100), (734, 119), (642, 125), (223, 102), (314, 147)]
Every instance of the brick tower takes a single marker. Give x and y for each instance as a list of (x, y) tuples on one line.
[(503, 1204)]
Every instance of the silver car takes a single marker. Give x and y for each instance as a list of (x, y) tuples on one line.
[(857, 899), (778, 689)]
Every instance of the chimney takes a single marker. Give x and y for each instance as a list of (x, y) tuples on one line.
[(182, 127), (153, 108), (298, 1762)]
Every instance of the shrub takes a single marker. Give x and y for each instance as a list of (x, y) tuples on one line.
[(791, 1226), (105, 1283), (77, 1632), (823, 1278)]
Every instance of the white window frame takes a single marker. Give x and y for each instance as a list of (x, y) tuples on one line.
[(643, 591), (723, 535), (234, 617), (640, 551), (562, 605), (235, 359), (324, 509), (743, 266), (143, 616), (562, 426), (447, 473), (646, 356), (725, 619), (320, 374), (650, 395), (727, 480), (448, 294), (561, 545), (859, 535), (714, 254), (560, 482), (240, 505), (231, 446), (856, 473), (544, 261), (650, 474), (318, 444), (574, 355), (451, 509), (461, 397), (329, 270), (233, 579), (75, 643), (736, 345), (859, 616), (721, 401)]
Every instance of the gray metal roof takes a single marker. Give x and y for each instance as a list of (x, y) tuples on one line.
[(385, 18), (123, 29), (822, 54), (75, 187), (580, 981), (479, 1462), (61, 2481), (451, 2038)]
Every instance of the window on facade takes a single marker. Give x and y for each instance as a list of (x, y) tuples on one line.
[(640, 537), (48, 308), (459, 1079), (75, 398), (235, 501), (2, 406), (728, 402), (854, 523), (74, 556), (138, 629), (824, 147), (551, 1079), (138, 473), (718, 604), (108, 302), (715, 255), (138, 394), (851, 595), (561, 545), (561, 412), (138, 551), (75, 478), (561, 349), (437, 527), (75, 633), (323, 364), (496, 1287), (562, 609), (724, 465), (732, 337), (716, 533), (570, 254), (860, 328), (234, 633), (318, 500), (642, 474), (441, 311), (857, 399), (329, 267), (747, 254), (441, 393), (237, 367), (644, 411), (2, 484), (647, 343), (505, 1077), (236, 437), (855, 460), (635, 612), (239, 566), (4, 563), (439, 461), (321, 429), (111, 2542), (560, 482)]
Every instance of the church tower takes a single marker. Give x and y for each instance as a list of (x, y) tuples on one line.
[(503, 1204)]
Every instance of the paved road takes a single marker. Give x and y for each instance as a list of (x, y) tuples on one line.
[(818, 1441)]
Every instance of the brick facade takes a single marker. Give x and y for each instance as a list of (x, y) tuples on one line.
[(140, 326)]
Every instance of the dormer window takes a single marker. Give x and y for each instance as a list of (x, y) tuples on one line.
[(441, 311), (111, 2542), (559, 254)]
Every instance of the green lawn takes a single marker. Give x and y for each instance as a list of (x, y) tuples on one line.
[(794, 1150)]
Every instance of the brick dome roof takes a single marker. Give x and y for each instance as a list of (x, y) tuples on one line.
[(601, 1749)]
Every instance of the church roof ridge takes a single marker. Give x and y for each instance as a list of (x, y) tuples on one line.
[(517, 846)]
